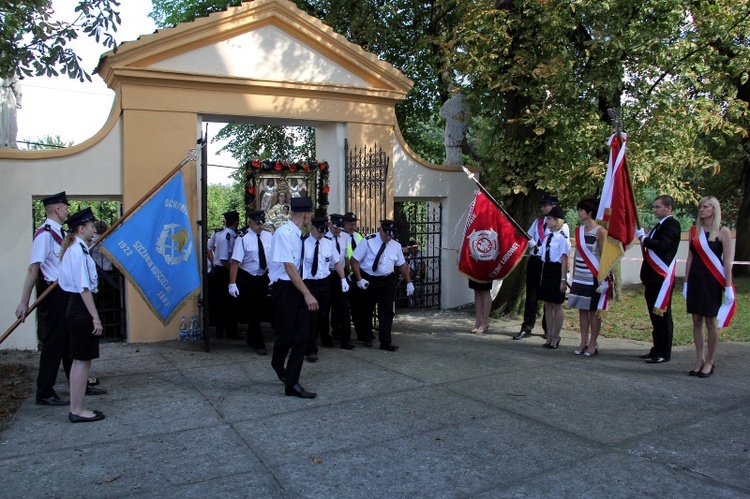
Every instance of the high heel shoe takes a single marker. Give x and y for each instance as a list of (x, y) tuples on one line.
[(696, 372), (579, 352), (708, 374), (590, 353), (551, 347), (474, 330)]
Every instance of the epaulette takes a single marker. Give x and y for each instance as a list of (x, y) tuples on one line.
[(370, 236), (328, 237), (85, 249), (229, 236), (218, 230), (242, 232)]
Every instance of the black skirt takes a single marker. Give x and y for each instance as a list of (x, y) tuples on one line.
[(549, 288), (83, 344), (480, 286)]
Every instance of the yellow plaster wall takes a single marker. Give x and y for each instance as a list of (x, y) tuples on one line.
[(157, 142)]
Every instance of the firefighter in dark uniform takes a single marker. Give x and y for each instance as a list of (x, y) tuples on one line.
[(248, 276), (292, 302), (45, 256), (359, 318), (373, 264), (225, 311), (337, 316), (319, 253)]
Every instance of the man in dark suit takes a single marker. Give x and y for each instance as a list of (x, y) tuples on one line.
[(659, 251)]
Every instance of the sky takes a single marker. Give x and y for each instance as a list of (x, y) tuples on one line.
[(75, 111)]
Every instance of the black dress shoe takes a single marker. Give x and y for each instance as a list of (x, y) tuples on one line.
[(388, 346), (98, 416), (53, 400), (708, 374), (312, 357), (348, 346), (522, 334), (261, 351), (327, 343), (657, 360), (367, 343), (92, 390), (646, 356), (298, 391)]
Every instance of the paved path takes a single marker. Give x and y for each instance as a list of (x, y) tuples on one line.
[(451, 414)]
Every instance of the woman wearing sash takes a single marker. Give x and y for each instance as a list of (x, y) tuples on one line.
[(709, 278), (583, 292), (554, 252)]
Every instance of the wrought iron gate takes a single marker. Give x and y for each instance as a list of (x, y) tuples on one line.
[(419, 225), (366, 171)]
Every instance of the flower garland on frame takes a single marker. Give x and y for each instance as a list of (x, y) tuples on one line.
[(252, 168)]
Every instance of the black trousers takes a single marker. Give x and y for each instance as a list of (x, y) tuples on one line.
[(340, 318), (360, 313), (253, 299), (321, 290), (55, 344), (225, 305), (292, 324), (533, 280), (381, 292), (663, 327)]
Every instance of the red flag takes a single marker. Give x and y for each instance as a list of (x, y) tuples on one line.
[(617, 208), (491, 246)]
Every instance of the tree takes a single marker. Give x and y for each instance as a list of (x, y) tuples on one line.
[(543, 74), (32, 44)]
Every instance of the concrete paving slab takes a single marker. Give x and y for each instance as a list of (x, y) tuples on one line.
[(451, 414)]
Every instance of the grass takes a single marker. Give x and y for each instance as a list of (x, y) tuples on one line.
[(628, 317)]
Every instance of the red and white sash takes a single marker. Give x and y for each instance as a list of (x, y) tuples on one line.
[(667, 273), (539, 232), (592, 262), (714, 265)]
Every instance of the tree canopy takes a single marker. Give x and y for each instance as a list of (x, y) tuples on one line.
[(33, 44)]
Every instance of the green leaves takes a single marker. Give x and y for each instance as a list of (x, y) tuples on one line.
[(32, 45)]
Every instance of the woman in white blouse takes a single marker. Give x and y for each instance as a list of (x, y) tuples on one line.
[(555, 250), (79, 279)]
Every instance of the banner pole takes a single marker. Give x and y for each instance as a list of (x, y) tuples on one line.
[(495, 202), (106, 233), (615, 115)]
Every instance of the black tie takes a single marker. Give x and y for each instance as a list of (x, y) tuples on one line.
[(261, 255), (315, 259), (354, 243), (338, 246), (546, 248), (62, 232), (377, 258)]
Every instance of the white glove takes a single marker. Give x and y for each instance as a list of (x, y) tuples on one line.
[(604, 287), (363, 284), (409, 289), (728, 295), (640, 233), (233, 291), (684, 291), (344, 285)]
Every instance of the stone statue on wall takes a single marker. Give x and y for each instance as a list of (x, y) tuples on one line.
[(457, 115), (10, 102)]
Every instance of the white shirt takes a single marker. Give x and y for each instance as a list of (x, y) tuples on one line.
[(247, 254), (534, 233), (368, 249), (559, 245), (77, 269), (224, 243), (343, 240), (327, 256), (286, 247), (46, 251)]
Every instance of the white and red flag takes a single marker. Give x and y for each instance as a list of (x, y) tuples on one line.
[(492, 244), (617, 207)]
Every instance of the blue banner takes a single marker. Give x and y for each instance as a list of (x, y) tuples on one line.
[(154, 250)]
